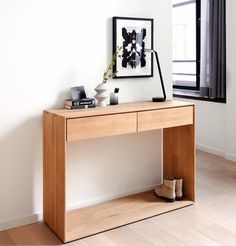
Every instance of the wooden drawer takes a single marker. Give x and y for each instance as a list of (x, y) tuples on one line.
[(101, 126), (163, 118)]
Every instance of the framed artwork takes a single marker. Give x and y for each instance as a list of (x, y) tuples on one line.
[(133, 35)]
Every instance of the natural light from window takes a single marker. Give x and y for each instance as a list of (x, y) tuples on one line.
[(184, 43)]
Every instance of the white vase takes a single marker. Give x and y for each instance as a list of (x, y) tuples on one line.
[(101, 95)]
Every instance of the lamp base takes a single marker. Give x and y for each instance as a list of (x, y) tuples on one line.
[(158, 99)]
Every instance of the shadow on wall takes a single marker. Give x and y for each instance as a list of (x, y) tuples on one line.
[(21, 168), (62, 96)]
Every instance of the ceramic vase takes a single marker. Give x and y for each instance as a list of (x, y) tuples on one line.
[(101, 95)]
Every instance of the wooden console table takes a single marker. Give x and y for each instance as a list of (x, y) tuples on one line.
[(62, 126)]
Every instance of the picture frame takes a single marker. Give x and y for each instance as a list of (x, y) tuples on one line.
[(133, 35)]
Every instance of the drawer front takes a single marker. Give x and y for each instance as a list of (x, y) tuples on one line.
[(101, 126), (157, 119)]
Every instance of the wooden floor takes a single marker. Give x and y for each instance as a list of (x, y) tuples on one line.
[(211, 221)]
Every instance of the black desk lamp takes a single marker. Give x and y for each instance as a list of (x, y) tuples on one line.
[(158, 99)]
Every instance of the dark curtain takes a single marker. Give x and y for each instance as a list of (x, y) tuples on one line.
[(213, 49)]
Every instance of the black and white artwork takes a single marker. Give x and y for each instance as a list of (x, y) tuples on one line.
[(133, 36)]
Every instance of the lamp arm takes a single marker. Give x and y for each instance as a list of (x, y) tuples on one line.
[(160, 74)]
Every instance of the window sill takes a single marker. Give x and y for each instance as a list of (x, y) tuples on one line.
[(195, 95)]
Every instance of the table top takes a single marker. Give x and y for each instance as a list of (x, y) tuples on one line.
[(118, 109)]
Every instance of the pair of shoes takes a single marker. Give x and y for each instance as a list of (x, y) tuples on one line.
[(171, 189)]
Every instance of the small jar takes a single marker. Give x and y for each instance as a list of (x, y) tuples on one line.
[(113, 98)]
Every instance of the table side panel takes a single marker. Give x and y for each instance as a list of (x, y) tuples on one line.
[(101, 126), (179, 156), (54, 157)]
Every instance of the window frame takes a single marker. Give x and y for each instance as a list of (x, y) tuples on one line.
[(198, 46)]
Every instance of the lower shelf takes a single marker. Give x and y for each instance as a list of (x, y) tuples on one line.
[(111, 214)]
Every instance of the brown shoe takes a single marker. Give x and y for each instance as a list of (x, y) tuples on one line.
[(167, 189), (179, 188)]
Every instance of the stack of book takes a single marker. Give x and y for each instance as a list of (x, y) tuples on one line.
[(80, 103)]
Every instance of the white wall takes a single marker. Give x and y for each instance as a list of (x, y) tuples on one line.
[(231, 81), (215, 122), (210, 126), (46, 47)]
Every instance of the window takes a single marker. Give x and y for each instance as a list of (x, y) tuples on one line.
[(186, 44), (199, 49)]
